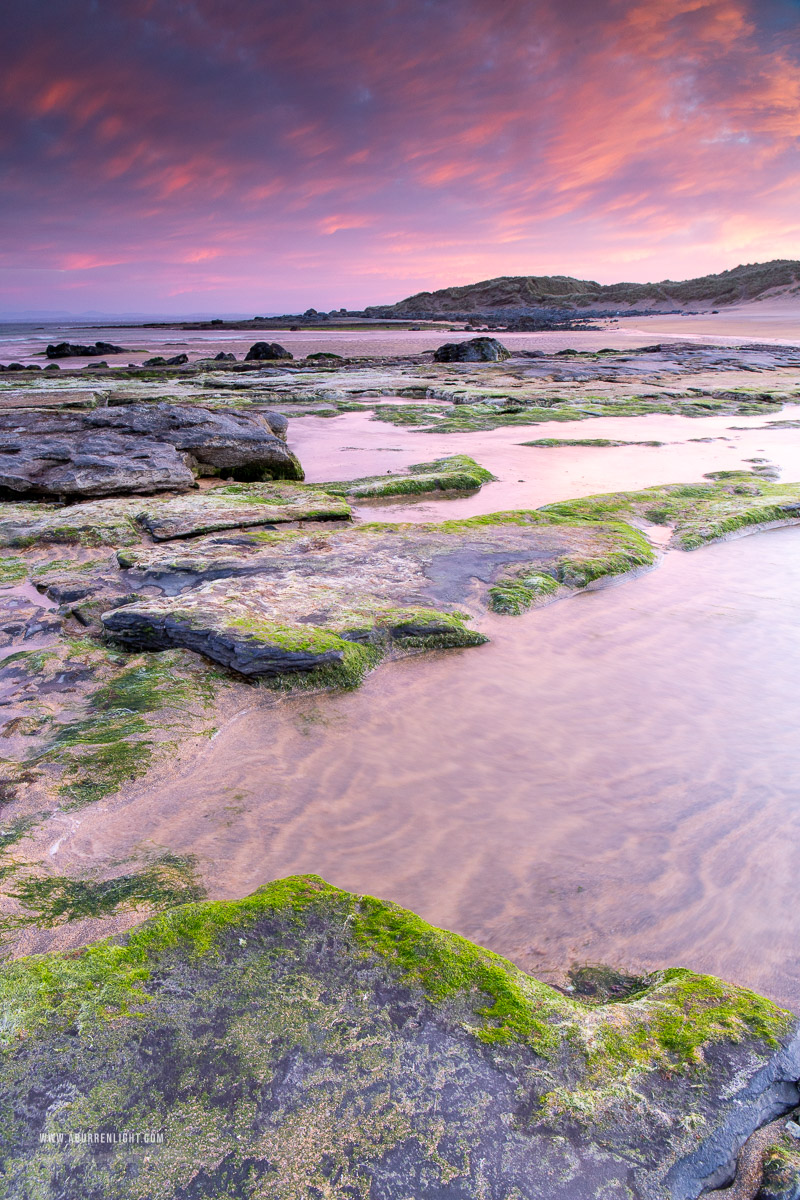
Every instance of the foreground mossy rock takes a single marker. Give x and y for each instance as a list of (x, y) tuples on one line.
[(455, 472), (479, 349), (135, 448), (307, 1042)]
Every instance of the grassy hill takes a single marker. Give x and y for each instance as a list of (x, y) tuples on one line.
[(520, 294)]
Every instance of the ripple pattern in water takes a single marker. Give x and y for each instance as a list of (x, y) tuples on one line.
[(614, 778)]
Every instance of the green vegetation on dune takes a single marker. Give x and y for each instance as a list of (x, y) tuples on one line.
[(533, 292)]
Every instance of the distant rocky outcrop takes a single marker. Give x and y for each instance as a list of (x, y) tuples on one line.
[(137, 449), (479, 349), (264, 351), (75, 350), (514, 296)]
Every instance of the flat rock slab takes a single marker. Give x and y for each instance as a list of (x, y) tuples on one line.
[(122, 521), (96, 523), (243, 600), (238, 506), (309, 1042), (39, 398), (137, 448)]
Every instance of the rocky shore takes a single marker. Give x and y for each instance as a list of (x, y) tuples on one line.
[(160, 551)]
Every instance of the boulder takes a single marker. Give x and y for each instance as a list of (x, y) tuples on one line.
[(309, 1042), (135, 448), (223, 357), (245, 446), (479, 349), (178, 360), (85, 463), (263, 351), (75, 350)]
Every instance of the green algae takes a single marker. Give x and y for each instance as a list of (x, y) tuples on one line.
[(699, 513), (363, 637), (456, 472), (110, 744), (51, 900), (515, 595), (67, 988), (781, 1169), (666, 1025), (553, 443), (13, 569)]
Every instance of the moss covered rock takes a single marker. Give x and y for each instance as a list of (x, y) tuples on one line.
[(274, 603), (455, 472), (306, 1042), (239, 505)]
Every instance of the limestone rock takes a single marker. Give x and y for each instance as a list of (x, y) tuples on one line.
[(84, 463), (244, 627), (135, 448), (239, 506)]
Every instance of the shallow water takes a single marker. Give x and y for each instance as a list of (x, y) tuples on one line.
[(614, 778), (354, 445)]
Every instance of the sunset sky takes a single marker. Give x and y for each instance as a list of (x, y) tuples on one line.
[(261, 156)]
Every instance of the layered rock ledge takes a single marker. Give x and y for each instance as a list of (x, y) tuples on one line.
[(136, 448)]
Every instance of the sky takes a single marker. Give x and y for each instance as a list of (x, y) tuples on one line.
[(268, 156)]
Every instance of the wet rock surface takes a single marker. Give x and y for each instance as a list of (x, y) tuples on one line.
[(456, 472), (334, 596), (239, 506), (303, 1038), (135, 448)]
